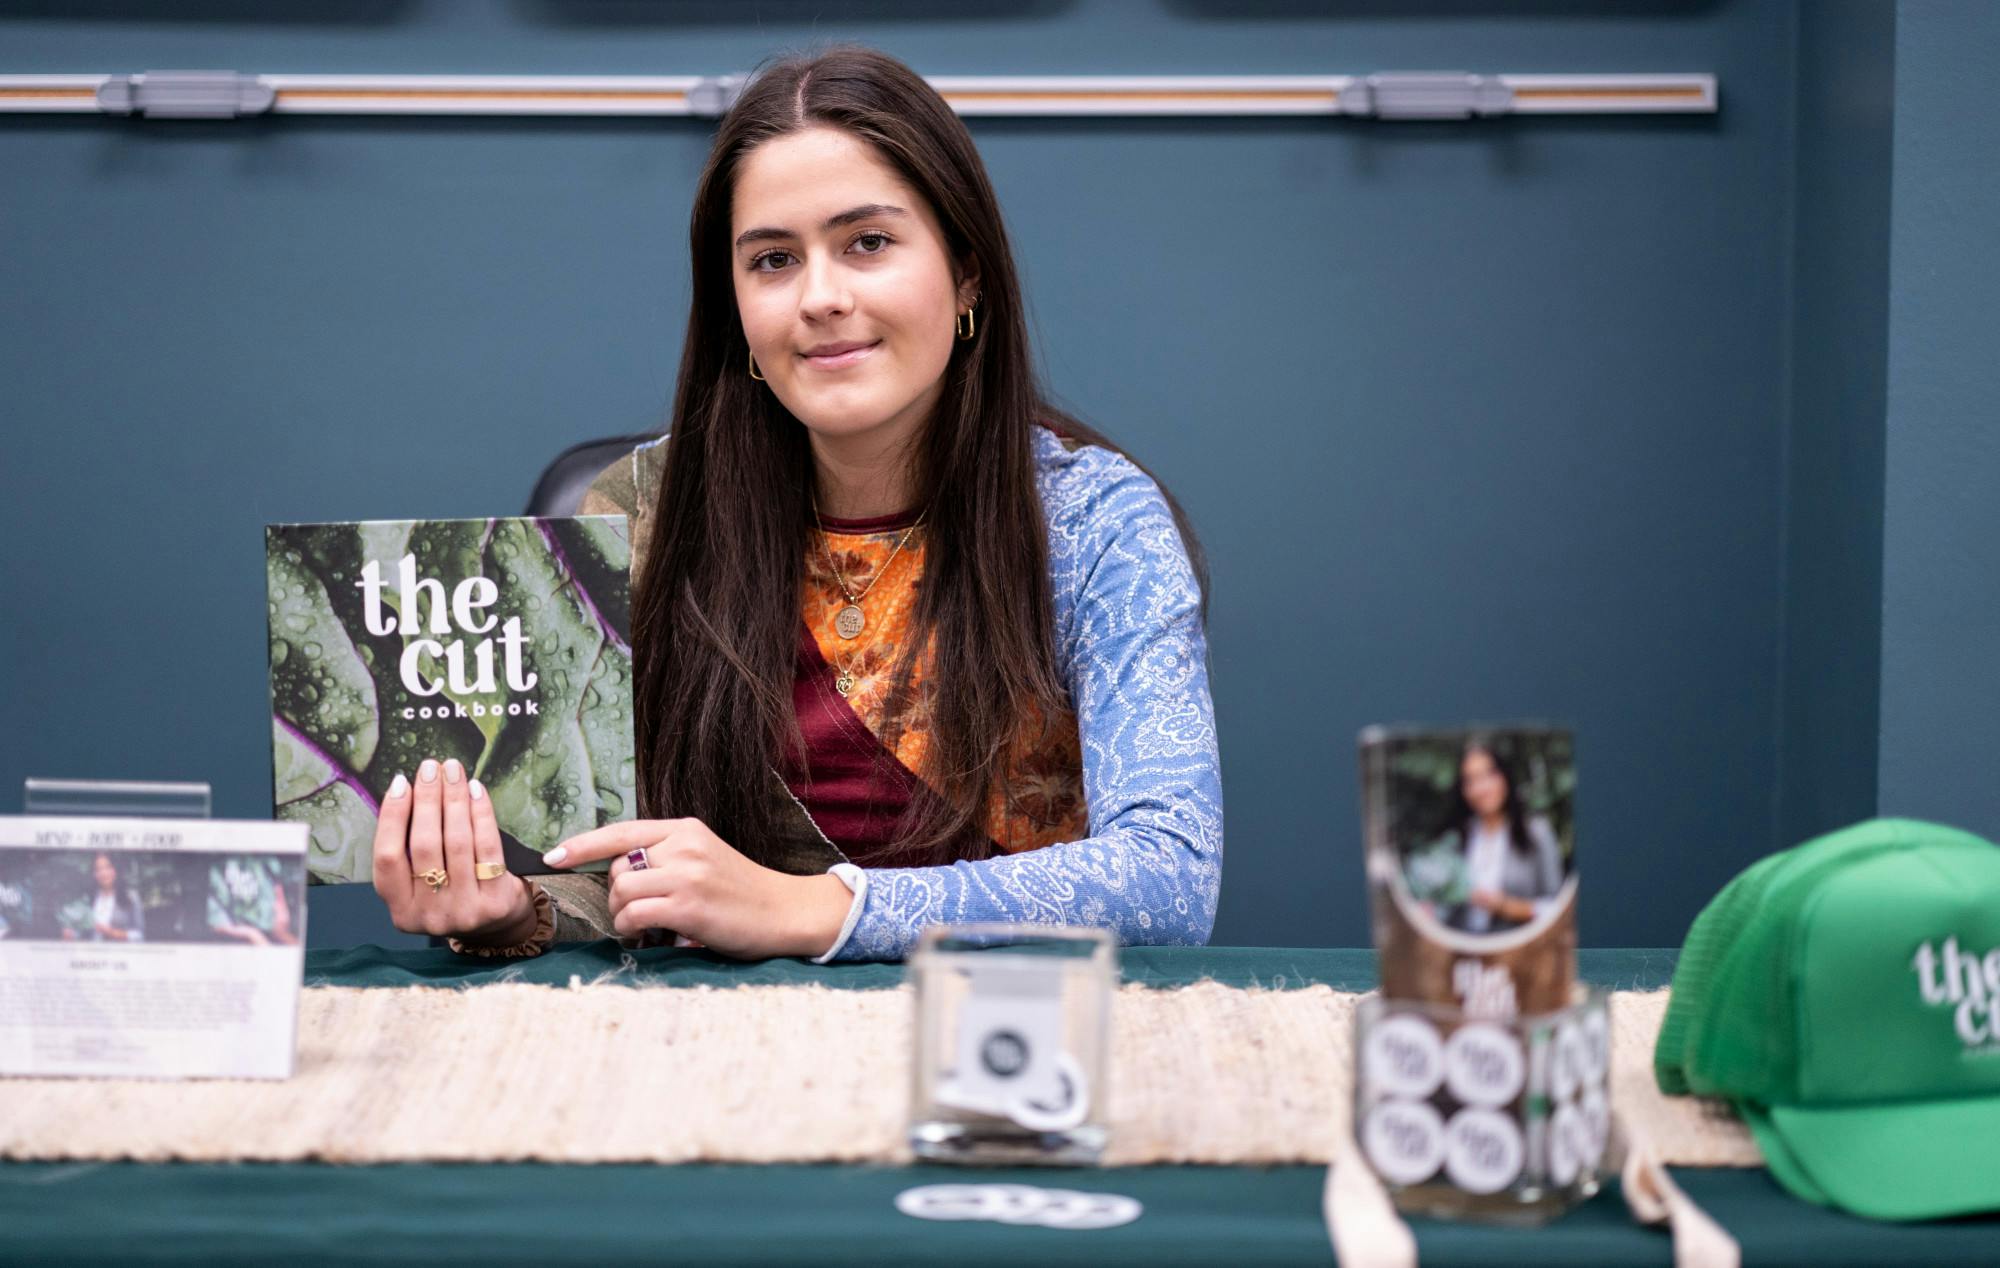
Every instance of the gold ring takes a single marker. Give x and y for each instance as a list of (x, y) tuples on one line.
[(436, 878), (488, 871)]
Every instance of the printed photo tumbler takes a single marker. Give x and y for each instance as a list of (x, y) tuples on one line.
[(1012, 1027), (1466, 1117)]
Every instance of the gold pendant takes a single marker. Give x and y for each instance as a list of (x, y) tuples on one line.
[(844, 683), (849, 621)]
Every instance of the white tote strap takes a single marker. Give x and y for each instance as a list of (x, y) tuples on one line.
[(1654, 1198), (1368, 1233), (1364, 1226)]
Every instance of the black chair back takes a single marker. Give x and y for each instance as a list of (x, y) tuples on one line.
[(560, 490)]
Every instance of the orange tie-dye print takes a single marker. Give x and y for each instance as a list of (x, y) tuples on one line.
[(1041, 800)]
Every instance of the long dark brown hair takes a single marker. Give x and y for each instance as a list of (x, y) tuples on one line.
[(716, 618), (1514, 808)]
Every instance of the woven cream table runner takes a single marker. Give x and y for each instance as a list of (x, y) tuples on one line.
[(608, 1073)]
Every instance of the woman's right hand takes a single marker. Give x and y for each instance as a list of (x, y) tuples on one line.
[(444, 821)]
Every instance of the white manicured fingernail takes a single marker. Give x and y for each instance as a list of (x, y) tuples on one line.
[(428, 772), (477, 789), (398, 786), (555, 857), (453, 772)]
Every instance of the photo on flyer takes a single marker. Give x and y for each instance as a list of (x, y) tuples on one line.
[(162, 897), (150, 948)]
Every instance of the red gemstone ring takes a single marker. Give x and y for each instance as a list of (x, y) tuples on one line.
[(637, 858)]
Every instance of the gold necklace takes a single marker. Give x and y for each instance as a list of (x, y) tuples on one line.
[(851, 620), (843, 679)]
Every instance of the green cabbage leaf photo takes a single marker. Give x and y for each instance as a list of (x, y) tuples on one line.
[(504, 643)]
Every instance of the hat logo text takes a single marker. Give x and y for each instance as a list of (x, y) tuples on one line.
[(1966, 980)]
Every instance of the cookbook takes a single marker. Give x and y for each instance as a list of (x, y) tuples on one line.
[(505, 643)]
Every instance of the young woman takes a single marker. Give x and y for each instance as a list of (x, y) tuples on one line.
[(1513, 864), (115, 914), (910, 646)]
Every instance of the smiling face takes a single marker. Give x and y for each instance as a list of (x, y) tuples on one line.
[(105, 871), (845, 286), (1484, 784)]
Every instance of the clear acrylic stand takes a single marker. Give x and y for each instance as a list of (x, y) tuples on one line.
[(1012, 1032), (116, 798)]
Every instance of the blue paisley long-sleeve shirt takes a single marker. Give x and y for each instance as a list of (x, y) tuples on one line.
[(1133, 651), (1134, 656)]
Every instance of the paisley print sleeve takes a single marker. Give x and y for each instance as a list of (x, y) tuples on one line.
[(1130, 635)]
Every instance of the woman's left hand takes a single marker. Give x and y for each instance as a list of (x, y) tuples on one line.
[(699, 886)]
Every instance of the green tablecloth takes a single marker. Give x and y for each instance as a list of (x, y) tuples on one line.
[(1280, 968), (626, 1215)]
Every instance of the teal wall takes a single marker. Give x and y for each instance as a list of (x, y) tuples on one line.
[(1941, 515), (1830, 653), (1478, 421)]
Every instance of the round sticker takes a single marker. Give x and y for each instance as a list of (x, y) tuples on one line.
[(1015, 1203), (1004, 1053), (1019, 1204), (1483, 1065), (1596, 1113), (1402, 1056), (1482, 1150), (1063, 1105), (1566, 1061), (1596, 1045), (944, 1202), (1404, 1140), (1569, 1145), (1069, 1209)]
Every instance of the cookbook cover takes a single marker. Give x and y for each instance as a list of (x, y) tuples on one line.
[(505, 643)]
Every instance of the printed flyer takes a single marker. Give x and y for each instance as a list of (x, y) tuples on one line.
[(505, 643), (161, 948)]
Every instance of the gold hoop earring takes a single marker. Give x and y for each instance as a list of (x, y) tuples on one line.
[(753, 368), (964, 330)]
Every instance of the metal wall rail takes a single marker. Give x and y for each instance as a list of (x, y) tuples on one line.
[(1389, 95)]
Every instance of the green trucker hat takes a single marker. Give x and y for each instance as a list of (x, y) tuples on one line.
[(1845, 995)]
